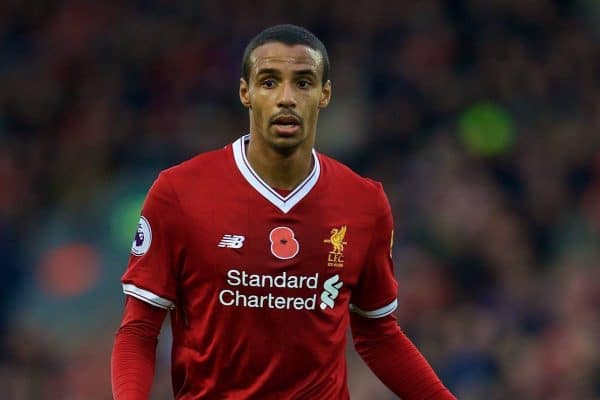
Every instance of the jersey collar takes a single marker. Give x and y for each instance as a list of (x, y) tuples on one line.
[(284, 203)]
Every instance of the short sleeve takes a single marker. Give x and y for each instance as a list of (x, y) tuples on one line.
[(157, 248), (375, 295)]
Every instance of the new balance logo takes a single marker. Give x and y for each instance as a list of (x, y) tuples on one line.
[(331, 289), (232, 241)]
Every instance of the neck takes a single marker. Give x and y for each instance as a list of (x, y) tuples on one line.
[(279, 169)]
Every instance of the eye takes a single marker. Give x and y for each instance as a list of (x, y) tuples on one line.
[(304, 84), (268, 83)]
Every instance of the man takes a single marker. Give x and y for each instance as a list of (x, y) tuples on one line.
[(264, 252)]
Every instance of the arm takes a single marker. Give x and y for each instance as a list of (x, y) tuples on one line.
[(377, 338), (150, 283), (133, 356), (395, 360)]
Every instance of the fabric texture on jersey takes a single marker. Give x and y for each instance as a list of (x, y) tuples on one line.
[(257, 315)]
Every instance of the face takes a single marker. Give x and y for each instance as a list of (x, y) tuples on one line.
[(284, 95)]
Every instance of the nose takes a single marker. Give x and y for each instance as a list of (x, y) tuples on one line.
[(286, 96)]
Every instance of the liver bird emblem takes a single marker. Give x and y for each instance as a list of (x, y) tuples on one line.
[(337, 239)]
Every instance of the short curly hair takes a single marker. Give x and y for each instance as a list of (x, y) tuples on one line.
[(288, 34)]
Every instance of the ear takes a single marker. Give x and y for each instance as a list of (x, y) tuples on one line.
[(325, 95), (244, 93)]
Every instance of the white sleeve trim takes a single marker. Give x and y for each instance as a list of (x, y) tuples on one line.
[(380, 312), (147, 296)]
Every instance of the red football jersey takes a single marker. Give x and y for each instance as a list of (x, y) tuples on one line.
[(260, 285)]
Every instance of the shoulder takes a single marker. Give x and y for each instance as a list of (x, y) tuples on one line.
[(202, 163), (211, 164), (191, 176), (343, 177), (364, 196)]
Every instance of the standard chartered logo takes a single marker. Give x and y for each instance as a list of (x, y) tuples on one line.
[(242, 291), (331, 289)]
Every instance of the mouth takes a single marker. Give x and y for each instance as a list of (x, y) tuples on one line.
[(286, 124)]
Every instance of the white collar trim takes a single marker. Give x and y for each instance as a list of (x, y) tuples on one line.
[(284, 203)]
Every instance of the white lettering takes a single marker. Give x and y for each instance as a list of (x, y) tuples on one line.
[(252, 300), (310, 303), (298, 303), (265, 279), (279, 281), (242, 278), (222, 297), (312, 281), (280, 303), (255, 281), (235, 298), (233, 277), (238, 278)]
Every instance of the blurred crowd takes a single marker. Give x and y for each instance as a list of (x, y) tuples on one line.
[(481, 118)]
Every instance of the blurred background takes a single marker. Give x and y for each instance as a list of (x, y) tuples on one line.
[(482, 119)]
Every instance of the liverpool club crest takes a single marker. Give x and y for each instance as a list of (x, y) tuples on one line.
[(336, 255)]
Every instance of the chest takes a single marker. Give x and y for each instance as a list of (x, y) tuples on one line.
[(324, 237)]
